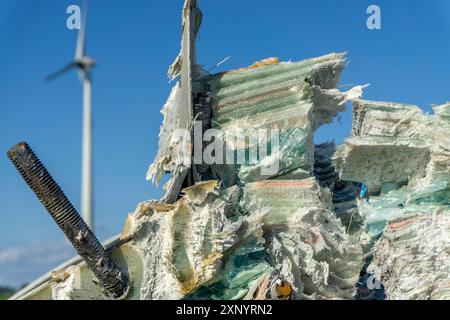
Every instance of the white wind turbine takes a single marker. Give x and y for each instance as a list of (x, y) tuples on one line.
[(84, 64)]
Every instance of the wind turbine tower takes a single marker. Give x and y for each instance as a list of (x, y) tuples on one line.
[(85, 65)]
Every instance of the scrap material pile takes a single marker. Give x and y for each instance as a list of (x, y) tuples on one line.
[(270, 231), (376, 205), (282, 237)]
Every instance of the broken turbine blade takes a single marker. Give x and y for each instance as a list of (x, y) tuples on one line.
[(81, 40)]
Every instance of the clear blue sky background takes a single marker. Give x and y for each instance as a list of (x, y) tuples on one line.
[(134, 42)]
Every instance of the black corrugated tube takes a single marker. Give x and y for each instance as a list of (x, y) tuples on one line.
[(63, 212)]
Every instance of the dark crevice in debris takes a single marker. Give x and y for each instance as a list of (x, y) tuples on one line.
[(344, 192), (203, 113)]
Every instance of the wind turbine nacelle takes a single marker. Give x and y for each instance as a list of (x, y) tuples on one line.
[(85, 62)]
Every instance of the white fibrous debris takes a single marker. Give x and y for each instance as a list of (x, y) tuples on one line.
[(412, 258), (185, 245), (394, 144), (443, 111), (403, 157), (65, 282), (306, 242), (172, 148)]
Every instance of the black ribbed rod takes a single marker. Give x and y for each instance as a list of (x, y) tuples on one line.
[(70, 222)]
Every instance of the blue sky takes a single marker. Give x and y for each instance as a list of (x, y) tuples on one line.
[(134, 42)]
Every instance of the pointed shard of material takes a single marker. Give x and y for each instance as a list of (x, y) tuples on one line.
[(173, 154), (192, 20)]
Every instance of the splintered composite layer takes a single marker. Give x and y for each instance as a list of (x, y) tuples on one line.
[(295, 98), (394, 143)]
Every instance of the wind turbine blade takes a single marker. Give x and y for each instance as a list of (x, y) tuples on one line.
[(61, 71), (79, 53)]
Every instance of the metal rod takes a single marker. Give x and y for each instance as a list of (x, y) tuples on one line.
[(62, 211)]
